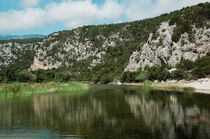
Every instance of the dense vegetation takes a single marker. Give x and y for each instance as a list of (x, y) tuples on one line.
[(116, 58), (186, 69)]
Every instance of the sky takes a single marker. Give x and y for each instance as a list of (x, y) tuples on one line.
[(19, 17)]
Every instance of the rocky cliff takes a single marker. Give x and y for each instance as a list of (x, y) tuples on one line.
[(109, 50), (162, 50)]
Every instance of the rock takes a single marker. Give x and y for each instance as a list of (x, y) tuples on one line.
[(163, 51)]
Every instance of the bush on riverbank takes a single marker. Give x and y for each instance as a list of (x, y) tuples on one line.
[(201, 67)]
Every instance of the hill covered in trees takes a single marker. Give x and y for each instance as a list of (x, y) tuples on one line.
[(133, 51)]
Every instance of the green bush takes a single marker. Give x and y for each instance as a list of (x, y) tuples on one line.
[(174, 20), (181, 28), (26, 77), (142, 76), (128, 77), (159, 73), (185, 64), (201, 67), (106, 80), (178, 74)]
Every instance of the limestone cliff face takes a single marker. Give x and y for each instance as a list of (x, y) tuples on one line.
[(54, 53), (162, 50), (61, 49), (13, 51)]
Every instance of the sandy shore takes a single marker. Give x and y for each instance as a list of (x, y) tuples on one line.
[(201, 85)]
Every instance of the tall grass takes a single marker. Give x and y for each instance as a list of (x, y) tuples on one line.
[(25, 88), (147, 83)]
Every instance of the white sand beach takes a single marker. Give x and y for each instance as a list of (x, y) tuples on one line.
[(201, 85)]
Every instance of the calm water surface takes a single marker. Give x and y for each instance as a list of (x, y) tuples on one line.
[(106, 111)]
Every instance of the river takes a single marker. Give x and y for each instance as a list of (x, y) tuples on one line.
[(106, 111)]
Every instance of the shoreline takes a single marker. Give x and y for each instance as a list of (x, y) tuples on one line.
[(200, 85)]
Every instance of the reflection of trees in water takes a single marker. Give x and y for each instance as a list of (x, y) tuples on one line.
[(170, 115), (112, 112), (66, 112), (98, 114)]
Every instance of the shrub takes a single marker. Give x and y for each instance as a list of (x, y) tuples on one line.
[(178, 74), (174, 19), (185, 64), (106, 80), (159, 73), (201, 67), (128, 77), (26, 77), (142, 76), (181, 28)]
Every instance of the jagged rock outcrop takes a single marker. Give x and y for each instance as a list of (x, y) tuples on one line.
[(162, 50)]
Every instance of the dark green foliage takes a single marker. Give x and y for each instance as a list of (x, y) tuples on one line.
[(187, 17), (128, 77), (159, 73), (202, 67), (141, 76), (181, 28), (106, 80), (191, 70), (185, 65), (52, 75), (26, 77), (178, 74), (174, 20)]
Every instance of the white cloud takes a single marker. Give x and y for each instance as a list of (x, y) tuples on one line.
[(70, 13), (16, 20), (29, 3), (77, 13), (140, 9), (74, 13)]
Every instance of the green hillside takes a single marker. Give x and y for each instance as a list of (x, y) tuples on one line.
[(126, 37)]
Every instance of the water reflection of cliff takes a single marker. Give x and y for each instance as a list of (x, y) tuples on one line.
[(170, 115), (115, 112)]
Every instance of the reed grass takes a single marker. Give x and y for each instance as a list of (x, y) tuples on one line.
[(26, 88)]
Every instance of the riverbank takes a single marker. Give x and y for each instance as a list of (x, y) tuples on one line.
[(199, 86), (29, 88)]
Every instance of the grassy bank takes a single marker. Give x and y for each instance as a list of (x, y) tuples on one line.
[(26, 88)]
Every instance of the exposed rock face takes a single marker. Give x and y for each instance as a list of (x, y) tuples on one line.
[(73, 48), (8, 52), (162, 50), (107, 49)]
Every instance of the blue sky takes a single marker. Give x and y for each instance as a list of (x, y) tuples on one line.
[(47, 16)]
